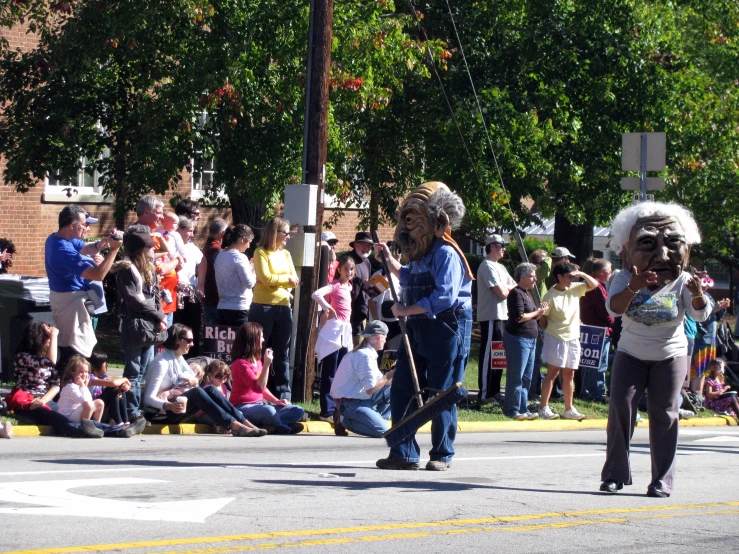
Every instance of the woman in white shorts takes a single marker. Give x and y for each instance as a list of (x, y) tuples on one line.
[(561, 323)]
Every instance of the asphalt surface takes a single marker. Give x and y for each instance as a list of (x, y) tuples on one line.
[(509, 492)]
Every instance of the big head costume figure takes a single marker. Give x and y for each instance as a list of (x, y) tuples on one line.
[(652, 236), (430, 211), (437, 302)]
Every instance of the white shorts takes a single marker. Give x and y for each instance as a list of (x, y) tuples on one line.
[(560, 353), (76, 415)]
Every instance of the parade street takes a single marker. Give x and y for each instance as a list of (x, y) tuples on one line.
[(507, 492)]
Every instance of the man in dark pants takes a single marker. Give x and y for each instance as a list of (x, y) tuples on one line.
[(361, 248), (437, 300)]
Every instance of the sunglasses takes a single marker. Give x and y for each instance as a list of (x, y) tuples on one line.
[(189, 340), (221, 376), (286, 233)]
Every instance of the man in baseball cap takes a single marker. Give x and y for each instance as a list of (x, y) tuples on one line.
[(361, 248), (493, 285)]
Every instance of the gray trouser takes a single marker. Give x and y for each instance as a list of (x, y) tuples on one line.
[(662, 380)]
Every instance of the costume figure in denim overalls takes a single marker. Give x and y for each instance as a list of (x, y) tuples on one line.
[(437, 301)]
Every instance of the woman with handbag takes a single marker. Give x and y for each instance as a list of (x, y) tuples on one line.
[(143, 324), (172, 387)]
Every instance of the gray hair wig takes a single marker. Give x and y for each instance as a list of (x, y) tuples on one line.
[(625, 220), (448, 202), (523, 269)]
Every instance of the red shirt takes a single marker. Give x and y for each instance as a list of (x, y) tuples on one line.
[(244, 386), (167, 281), (593, 309)]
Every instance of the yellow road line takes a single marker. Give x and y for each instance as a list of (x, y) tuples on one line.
[(385, 527)]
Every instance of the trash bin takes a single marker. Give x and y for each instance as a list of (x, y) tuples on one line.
[(22, 300)]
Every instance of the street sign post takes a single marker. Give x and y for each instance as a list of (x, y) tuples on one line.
[(643, 152)]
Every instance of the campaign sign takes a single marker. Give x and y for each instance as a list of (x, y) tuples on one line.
[(217, 341), (592, 340), (389, 358), (497, 355)]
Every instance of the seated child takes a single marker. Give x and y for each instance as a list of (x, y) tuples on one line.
[(108, 389), (717, 395), (75, 400)]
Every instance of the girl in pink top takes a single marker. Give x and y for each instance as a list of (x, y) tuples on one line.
[(249, 392), (335, 336), (75, 400)]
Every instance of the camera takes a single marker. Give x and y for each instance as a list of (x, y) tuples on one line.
[(115, 234)]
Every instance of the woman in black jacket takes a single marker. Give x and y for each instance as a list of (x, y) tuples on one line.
[(138, 299)]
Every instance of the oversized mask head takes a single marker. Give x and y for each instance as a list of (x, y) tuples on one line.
[(657, 243), (425, 214)]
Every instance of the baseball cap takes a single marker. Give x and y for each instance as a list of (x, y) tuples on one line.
[(561, 252), (328, 236), (374, 327), (89, 219), (136, 241), (496, 239)]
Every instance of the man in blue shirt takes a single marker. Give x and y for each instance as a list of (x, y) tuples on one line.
[(70, 266), (437, 302)]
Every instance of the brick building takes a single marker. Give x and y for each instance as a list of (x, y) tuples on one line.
[(27, 219)]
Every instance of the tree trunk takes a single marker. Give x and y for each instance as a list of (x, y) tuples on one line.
[(578, 239), (248, 211)]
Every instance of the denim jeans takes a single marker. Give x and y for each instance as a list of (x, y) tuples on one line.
[(594, 379), (212, 402), (440, 348), (170, 319), (137, 360), (367, 417), (266, 415), (117, 407), (61, 425), (535, 386), (520, 353), (328, 371), (277, 326)]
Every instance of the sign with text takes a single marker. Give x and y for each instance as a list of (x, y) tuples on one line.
[(217, 341), (389, 357), (497, 355), (592, 340)]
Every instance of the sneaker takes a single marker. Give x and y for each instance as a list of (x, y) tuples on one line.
[(327, 419), (572, 413), (547, 413), (639, 419), (519, 417), (391, 463), (532, 415), (89, 429), (6, 430), (138, 426), (437, 465), (686, 414)]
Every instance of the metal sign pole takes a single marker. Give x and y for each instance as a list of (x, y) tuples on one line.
[(643, 169)]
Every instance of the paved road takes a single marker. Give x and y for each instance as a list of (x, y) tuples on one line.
[(508, 492)]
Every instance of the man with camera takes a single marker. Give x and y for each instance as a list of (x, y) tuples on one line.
[(70, 266)]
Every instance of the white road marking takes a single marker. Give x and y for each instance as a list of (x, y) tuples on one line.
[(697, 432), (720, 438), (103, 470), (53, 498)]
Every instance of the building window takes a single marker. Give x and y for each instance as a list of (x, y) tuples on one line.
[(83, 187), (202, 175), (616, 262)]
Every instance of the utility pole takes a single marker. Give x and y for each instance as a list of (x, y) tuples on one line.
[(315, 140)]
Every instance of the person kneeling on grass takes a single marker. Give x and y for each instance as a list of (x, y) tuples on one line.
[(250, 394), (360, 389)]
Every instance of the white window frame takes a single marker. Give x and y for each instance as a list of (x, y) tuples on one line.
[(208, 169)]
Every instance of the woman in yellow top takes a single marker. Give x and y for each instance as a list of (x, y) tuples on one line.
[(270, 305), (561, 323)]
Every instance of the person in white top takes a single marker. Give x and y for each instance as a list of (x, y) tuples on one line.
[(189, 308), (493, 285), (168, 230), (361, 390), (75, 400), (652, 295), (235, 277)]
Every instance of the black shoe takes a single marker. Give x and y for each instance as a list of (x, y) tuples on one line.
[(138, 426), (391, 463), (89, 429), (339, 429), (296, 428), (611, 486), (127, 432), (657, 493)]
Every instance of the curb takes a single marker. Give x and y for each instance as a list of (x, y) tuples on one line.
[(323, 428)]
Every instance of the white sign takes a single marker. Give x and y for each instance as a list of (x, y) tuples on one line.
[(52, 498), (631, 151)]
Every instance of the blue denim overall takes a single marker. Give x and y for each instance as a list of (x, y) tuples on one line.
[(440, 348)]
